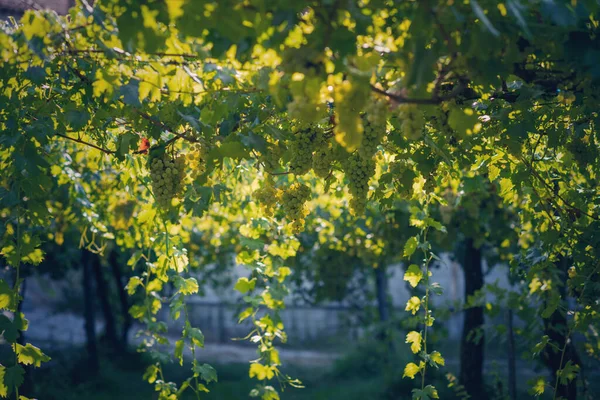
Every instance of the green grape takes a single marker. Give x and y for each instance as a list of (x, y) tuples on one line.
[(358, 171), (412, 121), (167, 175), (197, 160), (322, 160), (302, 147), (294, 205), (271, 158), (372, 135), (267, 196)]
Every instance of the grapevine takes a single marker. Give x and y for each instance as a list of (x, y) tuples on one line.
[(196, 159), (302, 148), (268, 196), (358, 171), (322, 160), (167, 175), (293, 202)]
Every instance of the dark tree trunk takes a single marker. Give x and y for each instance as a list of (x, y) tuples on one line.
[(556, 329), (88, 311), (512, 368), (118, 278), (471, 348), (381, 291), (102, 292)]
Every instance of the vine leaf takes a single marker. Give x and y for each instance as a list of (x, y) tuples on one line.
[(206, 372), (410, 247), (13, 377), (7, 296), (415, 339), (179, 351), (31, 355), (244, 285), (413, 275), (411, 370)]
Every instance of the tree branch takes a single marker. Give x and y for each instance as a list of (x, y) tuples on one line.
[(77, 140)]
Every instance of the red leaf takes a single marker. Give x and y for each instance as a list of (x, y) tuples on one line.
[(144, 146)]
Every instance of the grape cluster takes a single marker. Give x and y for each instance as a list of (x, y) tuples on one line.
[(271, 158), (412, 121), (293, 202), (371, 138), (322, 160), (167, 175), (197, 160), (267, 196), (358, 171), (302, 147)]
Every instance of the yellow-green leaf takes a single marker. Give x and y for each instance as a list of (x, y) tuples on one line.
[(413, 275), (411, 370), (414, 338), (244, 285), (413, 304), (437, 358)]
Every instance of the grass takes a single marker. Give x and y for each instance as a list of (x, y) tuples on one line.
[(120, 378)]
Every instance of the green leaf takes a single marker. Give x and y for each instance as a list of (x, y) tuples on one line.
[(428, 392), (7, 296), (568, 372), (234, 150), (464, 121), (537, 349), (410, 246), (186, 286), (8, 329), (206, 372), (179, 351), (31, 355), (13, 377), (245, 314), (195, 335), (77, 119), (244, 285), (538, 386), (150, 374), (413, 275), (131, 93)]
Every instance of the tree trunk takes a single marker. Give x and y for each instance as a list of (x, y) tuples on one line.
[(118, 278), (88, 311), (102, 292), (512, 368), (556, 329), (471, 348)]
